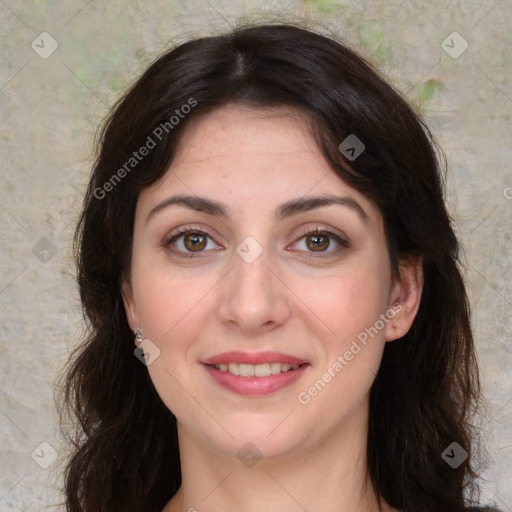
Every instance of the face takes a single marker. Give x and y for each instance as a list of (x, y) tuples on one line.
[(250, 265)]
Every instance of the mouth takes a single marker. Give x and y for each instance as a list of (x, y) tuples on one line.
[(257, 370), (253, 359), (255, 379)]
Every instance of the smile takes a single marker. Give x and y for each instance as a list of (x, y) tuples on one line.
[(256, 370), (259, 379)]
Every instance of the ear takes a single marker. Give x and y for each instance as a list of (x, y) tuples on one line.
[(406, 296), (129, 304)]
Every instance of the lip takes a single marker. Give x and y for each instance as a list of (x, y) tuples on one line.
[(255, 358), (255, 386)]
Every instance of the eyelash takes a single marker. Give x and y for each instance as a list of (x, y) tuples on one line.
[(311, 232)]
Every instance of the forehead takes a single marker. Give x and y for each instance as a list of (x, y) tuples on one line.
[(249, 150), (235, 129), (253, 159), (238, 141)]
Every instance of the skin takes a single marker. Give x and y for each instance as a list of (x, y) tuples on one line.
[(291, 299)]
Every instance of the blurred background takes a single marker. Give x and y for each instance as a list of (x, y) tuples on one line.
[(62, 65)]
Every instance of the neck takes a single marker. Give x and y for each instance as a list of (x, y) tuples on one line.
[(331, 477)]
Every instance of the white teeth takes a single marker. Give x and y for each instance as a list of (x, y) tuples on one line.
[(262, 370), (275, 368), (258, 370), (234, 368), (246, 370)]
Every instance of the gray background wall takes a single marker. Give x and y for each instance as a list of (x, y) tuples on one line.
[(51, 105)]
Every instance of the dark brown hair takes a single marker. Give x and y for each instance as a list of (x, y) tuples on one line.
[(124, 449)]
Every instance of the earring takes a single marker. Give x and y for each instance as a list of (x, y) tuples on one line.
[(138, 335)]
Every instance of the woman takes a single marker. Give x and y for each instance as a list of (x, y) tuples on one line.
[(266, 215)]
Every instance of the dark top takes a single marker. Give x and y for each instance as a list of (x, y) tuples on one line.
[(482, 509)]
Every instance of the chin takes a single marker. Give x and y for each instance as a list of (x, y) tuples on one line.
[(255, 438)]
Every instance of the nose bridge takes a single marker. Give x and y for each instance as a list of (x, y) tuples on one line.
[(252, 274), (252, 296)]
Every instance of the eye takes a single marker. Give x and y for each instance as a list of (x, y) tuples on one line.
[(319, 240), (188, 241)]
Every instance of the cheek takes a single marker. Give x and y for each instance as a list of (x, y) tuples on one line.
[(169, 300), (351, 303), (346, 302), (353, 359), (172, 310)]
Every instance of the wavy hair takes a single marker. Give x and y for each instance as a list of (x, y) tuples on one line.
[(124, 452)]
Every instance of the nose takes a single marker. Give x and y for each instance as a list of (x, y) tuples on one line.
[(253, 298)]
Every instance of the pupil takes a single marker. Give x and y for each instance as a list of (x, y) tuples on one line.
[(196, 241), (319, 242)]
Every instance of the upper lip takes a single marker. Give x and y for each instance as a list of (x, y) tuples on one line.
[(254, 358)]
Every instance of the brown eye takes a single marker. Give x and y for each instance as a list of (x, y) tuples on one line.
[(194, 241), (317, 242), (189, 242), (321, 242)]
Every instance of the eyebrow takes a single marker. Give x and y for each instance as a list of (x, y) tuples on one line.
[(292, 207)]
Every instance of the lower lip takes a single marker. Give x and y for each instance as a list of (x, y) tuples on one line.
[(255, 385)]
